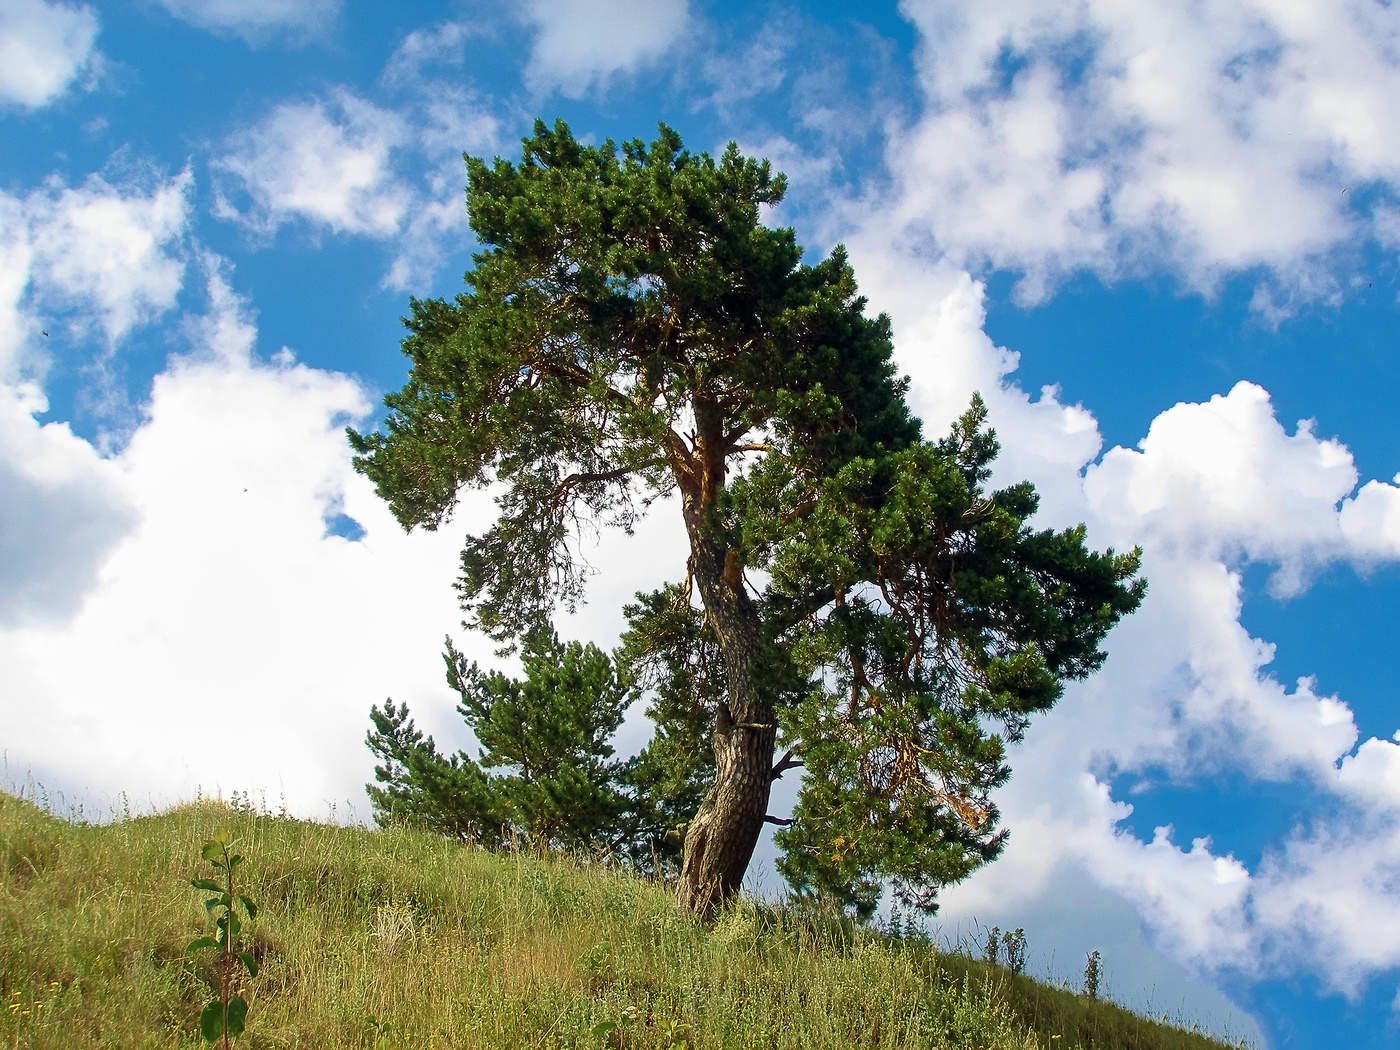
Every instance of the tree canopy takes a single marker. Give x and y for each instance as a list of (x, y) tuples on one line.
[(632, 332)]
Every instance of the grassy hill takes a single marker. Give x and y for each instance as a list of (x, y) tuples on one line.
[(383, 939)]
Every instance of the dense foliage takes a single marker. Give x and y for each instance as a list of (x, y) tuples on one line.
[(545, 773)]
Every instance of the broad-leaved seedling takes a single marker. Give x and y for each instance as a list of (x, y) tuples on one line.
[(223, 1016)]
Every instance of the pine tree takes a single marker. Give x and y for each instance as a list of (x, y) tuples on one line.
[(545, 773), (631, 330)]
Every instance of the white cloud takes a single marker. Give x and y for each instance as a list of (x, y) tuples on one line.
[(1209, 139), (437, 222), (257, 21), (60, 514), (44, 47), (327, 163), (228, 600), (18, 331), (1187, 693), (446, 118), (350, 167), (104, 256), (581, 45), (113, 251), (1330, 893), (444, 44), (738, 75), (1225, 477)]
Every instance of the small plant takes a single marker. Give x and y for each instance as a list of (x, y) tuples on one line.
[(393, 926), (611, 1032), (993, 944), (1015, 944), (1093, 973), (223, 1016)]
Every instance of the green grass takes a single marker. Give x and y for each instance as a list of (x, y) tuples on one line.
[(384, 939)]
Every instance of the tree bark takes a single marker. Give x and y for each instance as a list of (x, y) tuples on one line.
[(721, 839)]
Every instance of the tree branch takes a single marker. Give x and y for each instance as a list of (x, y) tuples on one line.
[(801, 510), (783, 822), (573, 481), (788, 761)]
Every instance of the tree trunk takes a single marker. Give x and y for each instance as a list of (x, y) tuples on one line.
[(721, 839)]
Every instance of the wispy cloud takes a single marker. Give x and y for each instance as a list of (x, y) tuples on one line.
[(424, 48), (258, 21), (584, 45), (327, 163)]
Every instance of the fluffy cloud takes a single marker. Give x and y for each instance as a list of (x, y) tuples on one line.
[(583, 44), (101, 258), (229, 596), (1330, 892), (1187, 691), (112, 252), (43, 48), (1212, 138), (60, 514), (1055, 141), (347, 166), (327, 163), (256, 21), (107, 257), (1225, 477)]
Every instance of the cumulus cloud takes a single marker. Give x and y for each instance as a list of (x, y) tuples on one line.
[(1330, 892), (325, 163), (257, 21), (1187, 693), (1085, 138), (44, 47), (61, 513), (347, 166), (1210, 139), (581, 45), (108, 258), (110, 251), (1224, 477), (230, 593), (103, 256)]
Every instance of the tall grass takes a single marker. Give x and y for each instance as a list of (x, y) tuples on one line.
[(383, 939)]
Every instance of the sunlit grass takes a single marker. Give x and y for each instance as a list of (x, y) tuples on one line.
[(399, 939)]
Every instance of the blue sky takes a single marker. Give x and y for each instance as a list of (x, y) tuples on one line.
[(1160, 240)]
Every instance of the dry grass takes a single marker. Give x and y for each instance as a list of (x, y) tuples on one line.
[(382, 939)]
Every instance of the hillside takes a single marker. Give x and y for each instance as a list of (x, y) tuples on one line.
[(384, 939)]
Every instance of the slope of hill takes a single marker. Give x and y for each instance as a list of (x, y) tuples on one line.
[(386, 939)]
